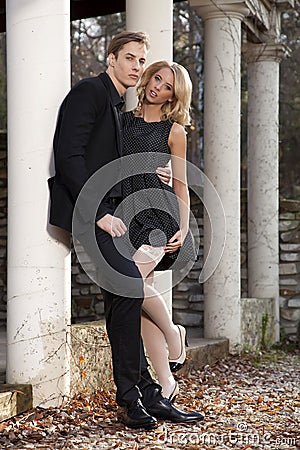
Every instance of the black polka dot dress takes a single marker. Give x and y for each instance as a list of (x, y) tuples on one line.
[(151, 211)]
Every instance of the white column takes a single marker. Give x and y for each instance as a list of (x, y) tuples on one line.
[(263, 108), (38, 305), (157, 21), (222, 56)]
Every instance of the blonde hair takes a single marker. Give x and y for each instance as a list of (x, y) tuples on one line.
[(178, 110)]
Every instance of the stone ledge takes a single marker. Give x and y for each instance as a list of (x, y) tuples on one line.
[(91, 365), (91, 361), (90, 358), (14, 399), (202, 352)]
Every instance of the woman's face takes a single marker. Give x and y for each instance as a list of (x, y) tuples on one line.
[(160, 88)]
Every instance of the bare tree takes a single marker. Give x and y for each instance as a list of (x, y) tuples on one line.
[(290, 107), (89, 41), (188, 51)]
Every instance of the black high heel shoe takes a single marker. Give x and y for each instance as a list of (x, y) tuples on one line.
[(177, 364)]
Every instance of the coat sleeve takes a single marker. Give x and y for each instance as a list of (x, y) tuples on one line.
[(84, 105)]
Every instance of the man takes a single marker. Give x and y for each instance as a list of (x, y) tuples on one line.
[(88, 137)]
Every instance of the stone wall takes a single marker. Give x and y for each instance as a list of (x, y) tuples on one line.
[(188, 305), (87, 303), (289, 268), (91, 358)]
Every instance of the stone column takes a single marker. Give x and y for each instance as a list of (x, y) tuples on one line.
[(159, 26), (222, 57), (157, 21), (38, 304), (263, 106)]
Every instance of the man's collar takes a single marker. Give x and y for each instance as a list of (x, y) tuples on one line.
[(121, 104), (116, 99)]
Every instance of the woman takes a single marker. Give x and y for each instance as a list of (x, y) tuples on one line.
[(158, 215)]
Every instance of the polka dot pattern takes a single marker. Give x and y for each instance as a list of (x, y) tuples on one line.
[(147, 223)]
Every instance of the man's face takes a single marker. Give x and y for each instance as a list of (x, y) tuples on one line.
[(127, 68)]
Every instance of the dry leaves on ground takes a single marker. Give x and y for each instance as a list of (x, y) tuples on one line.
[(250, 402)]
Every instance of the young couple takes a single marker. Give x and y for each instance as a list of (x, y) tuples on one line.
[(91, 132)]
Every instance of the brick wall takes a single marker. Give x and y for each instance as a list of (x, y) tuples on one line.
[(87, 303), (187, 295), (289, 268)]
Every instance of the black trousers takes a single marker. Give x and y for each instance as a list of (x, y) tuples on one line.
[(123, 318)]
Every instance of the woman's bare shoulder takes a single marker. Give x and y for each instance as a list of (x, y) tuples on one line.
[(177, 133), (178, 129)]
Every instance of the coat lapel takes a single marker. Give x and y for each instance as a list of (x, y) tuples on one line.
[(118, 117), (117, 114)]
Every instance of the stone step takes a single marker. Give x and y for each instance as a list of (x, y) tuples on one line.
[(202, 352), (91, 364), (14, 399)]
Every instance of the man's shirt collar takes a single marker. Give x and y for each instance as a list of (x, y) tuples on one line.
[(116, 99)]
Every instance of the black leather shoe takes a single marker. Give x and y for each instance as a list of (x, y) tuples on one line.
[(135, 416), (163, 409)]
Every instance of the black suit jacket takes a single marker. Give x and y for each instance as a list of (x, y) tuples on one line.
[(87, 137)]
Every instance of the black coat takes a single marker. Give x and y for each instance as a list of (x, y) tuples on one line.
[(87, 137)]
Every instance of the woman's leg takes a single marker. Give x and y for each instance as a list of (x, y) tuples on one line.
[(155, 344), (146, 258)]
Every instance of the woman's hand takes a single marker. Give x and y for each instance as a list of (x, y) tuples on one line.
[(112, 225), (164, 174), (175, 242)]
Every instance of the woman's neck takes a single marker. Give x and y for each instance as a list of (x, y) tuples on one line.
[(151, 113)]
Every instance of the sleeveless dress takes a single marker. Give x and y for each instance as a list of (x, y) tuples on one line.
[(152, 212)]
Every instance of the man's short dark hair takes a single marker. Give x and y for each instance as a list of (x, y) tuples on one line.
[(121, 39)]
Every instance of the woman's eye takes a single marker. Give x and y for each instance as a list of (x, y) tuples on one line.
[(156, 77)]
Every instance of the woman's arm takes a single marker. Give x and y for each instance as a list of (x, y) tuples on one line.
[(177, 144)]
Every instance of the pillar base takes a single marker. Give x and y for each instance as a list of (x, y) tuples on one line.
[(258, 323)]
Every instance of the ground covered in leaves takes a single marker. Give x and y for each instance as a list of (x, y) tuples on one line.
[(249, 402)]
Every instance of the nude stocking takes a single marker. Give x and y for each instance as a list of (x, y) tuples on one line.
[(146, 258), (155, 344)]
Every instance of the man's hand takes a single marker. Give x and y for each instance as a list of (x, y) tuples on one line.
[(112, 225), (164, 174)]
